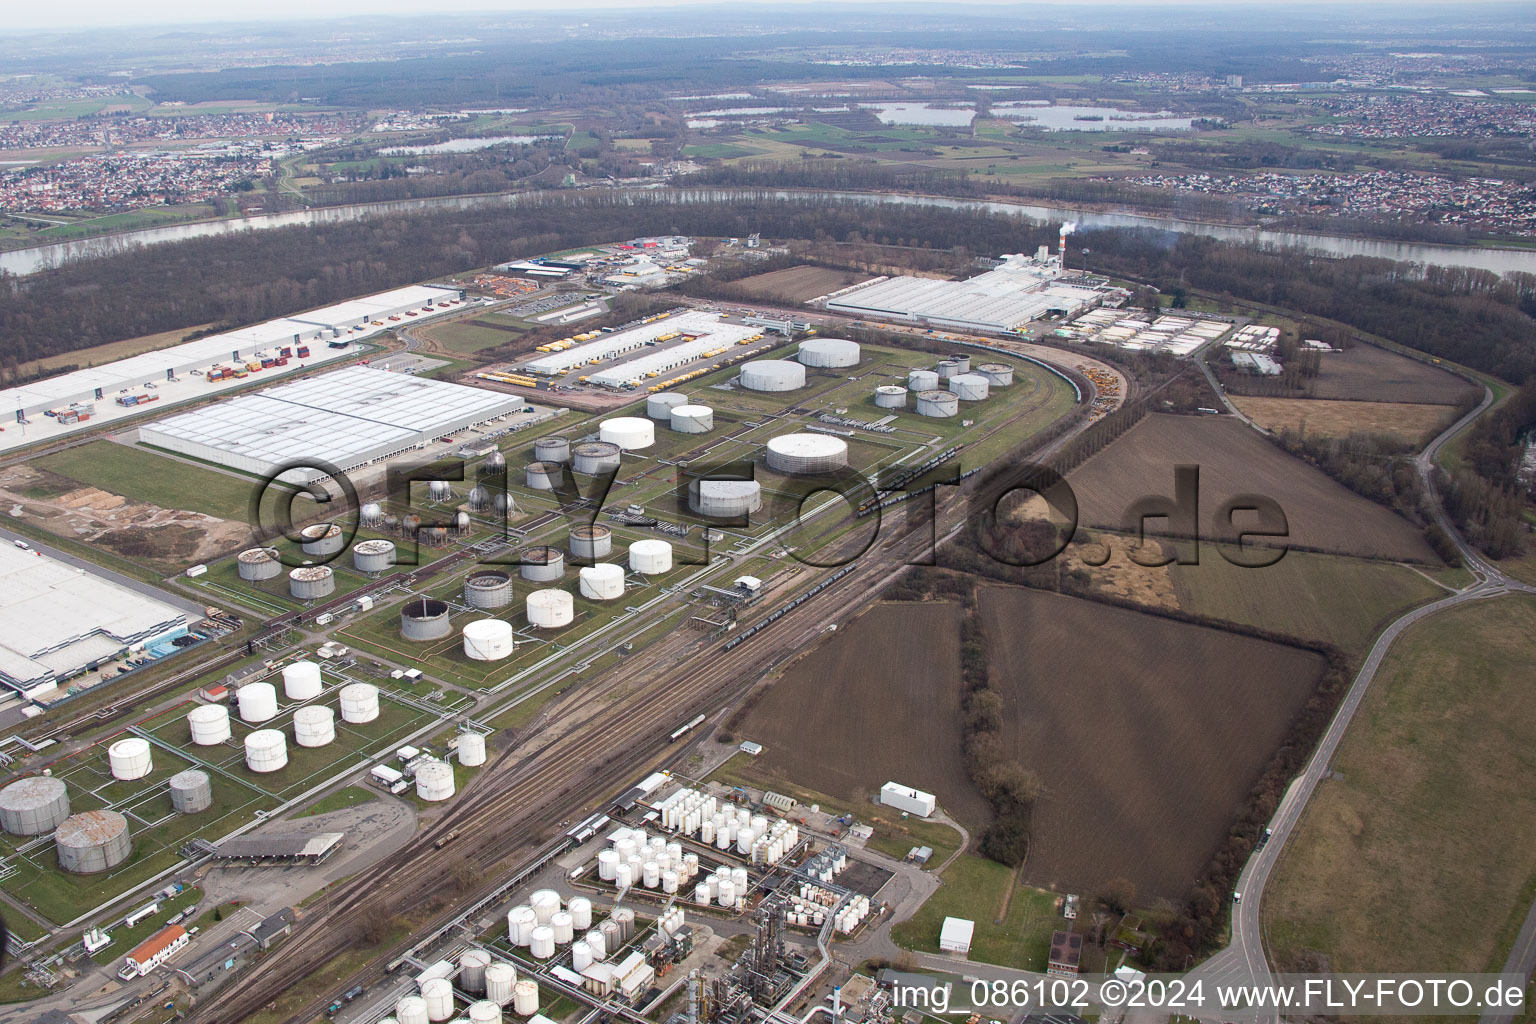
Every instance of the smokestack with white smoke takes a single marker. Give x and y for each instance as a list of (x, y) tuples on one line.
[(1061, 249)]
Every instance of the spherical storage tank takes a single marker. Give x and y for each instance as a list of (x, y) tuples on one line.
[(258, 564), (922, 380), (999, 375), (322, 539), (552, 449), (725, 498), (266, 750), (541, 564), (829, 352), (542, 476), (494, 463), (807, 453), (650, 556), (92, 841), (129, 759), (479, 498), (891, 396), (937, 403), (423, 618), (602, 582), (968, 387), (314, 726), (488, 639), (501, 506), (439, 490), (373, 555), (311, 582), (660, 405), (591, 541), (693, 419), (33, 806), (489, 588), (628, 432), (258, 702), (301, 680), (210, 724), (371, 514), (434, 781), (772, 375), (550, 609), (191, 791), (359, 703), (471, 749), (593, 458)]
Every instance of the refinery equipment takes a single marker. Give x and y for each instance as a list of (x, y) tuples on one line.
[(807, 453), (541, 944), (371, 514), (999, 375), (314, 726), (828, 353), (693, 419), (322, 539), (434, 536), (502, 505), (434, 781), (373, 555), (33, 806), (258, 702), (722, 499), (471, 749), (410, 523), (488, 639), (550, 609), (129, 759), (488, 588), (483, 1011), (650, 556), (891, 396), (425, 618), (311, 582), (591, 542), (922, 380), (191, 791), (580, 909), (660, 405), (772, 375), (541, 564), (210, 724), (595, 458), (968, 387), (92, 841), (461, 524), (962, 363), (359, 703), (630, 433), (602, 582), (938, 404), (543, 476), (301, 680), (256, 564), (266, 750), (564, 931), (552, 449)]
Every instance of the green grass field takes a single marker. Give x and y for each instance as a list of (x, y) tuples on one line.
[(347, 796), (976, 888), (142, 475)]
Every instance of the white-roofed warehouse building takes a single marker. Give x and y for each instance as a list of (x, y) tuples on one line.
[(1018, 291)]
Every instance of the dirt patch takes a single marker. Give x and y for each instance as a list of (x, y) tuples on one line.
[(1414, 424), (797, 284), (1120, 577), (91, 497)]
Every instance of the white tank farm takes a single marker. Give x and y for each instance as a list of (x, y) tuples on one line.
[(311, 582), (545, 904), (772, 375), (255, 564), (581, 955), (499, 979), (602, 582), (129, 759), (807, 453), (968, 387), (438, 993), (595, 942), (258, 702), (891, 396), (543, 476), (541, 564), (359, 703), (488, 588), (829, 352), (425, 618), (488, 639), (483, 1011), (630, 433), (301, 680), (595, 541), (376, 555), (542, 945), (650, 556), (472, 965), (314, 726), (999, 375), (33, 806), (411, 1010), (434, 781), (266, 750), (693, 419), (593, 458), (563, 928), (948, 368), (550, 609), (725, 498), (922, 380), (660, 405), (553, 448), (322, 539), (209, 724), (92, 841), (580, 909), (471, 749), (191, 791), (938, 404), (525, 997), (521, 921)]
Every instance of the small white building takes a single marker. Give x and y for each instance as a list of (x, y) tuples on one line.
[(157, 949), (955, 936), (905, 798)]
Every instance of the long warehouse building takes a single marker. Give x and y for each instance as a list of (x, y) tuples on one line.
[(707, 328), (351, 418), (1022, 289)]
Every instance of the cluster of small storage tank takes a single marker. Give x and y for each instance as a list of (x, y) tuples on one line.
[(542, 926), (266, 750), (852, 914), (494, 981), (648, 861), (810, 906)]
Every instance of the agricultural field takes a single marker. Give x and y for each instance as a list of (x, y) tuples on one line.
[(1365, 373), (1146, 733), (1412, 424), (1430, 796), (799, 284), (1234, 460)]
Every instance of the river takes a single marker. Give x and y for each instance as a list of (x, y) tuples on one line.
[(1500, 261)]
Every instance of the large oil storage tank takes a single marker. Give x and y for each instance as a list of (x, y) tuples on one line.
[(891, 396), (266, 750), (807, 453), (209, 724), (373, 555), (438, 994), (256, 564), (359, 703), (301, 680), (311, 582), (829, 352), (191, 791), (484, 1011), (660, 405), (772, 375), (595, 541), (129, 758), (630, 433), (479, 499), (553, 448), (499, 979), (411, 1010), (425, 618), (922, 380), (322, 539), (258, 702), (314, 726), (543, 945), (541, 564), (593, 458), (602, 582), (434, 781), (725, 498), (525, 994), (471, 749), (650, 556), (999, 375), (948, 368), (962, 363), (472, 965), (92, 841), (550, 609), (542, 476), (488, 588), (488, 640), (693, 419), (33, 806), (969, 387), (521, 921), (937, 404)]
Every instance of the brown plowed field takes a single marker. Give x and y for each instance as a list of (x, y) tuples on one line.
[(1415, 424), (797, 284), (1233, 460), (1366, 373), (1146, 733)]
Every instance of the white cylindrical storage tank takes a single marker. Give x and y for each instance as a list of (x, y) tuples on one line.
[(438, 994), (607, 864), (553, 448), (301, 680), (772, 375), (999, 375), (704, 892), (545, 904), (376, 555), (739, 878), (594, 541), (525, 996), (210, 724), (692, 419), (258, 702), (321, 539), (613, 936), (543, 476), (744, 840), (34, 805), (828, 352), (359, 703), (311, 582), (521, 921), (266, 750), (499, 981), (968, 387), (660, 405), (425, 618), (922, 380), (650, 556), (471, 749), (92, 841), (256, 564), (650, 874), (596, 943), (543, 944), (807, 453), (488, 639), (581, 956), (602, 582), (488, 589), (314, 726), (484, 1011), (550, 609), (624, 876), (625, 919), (434, 781), (891, 396), (581, 912), (939, 404), (563, 927), (725, 499), (411, 1010), (472, 965), (725, 893), (706, 832), (130, 759), (593, 458), (962, 363), (948, 368), (669, 882), (541, 564), (630, 433)]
